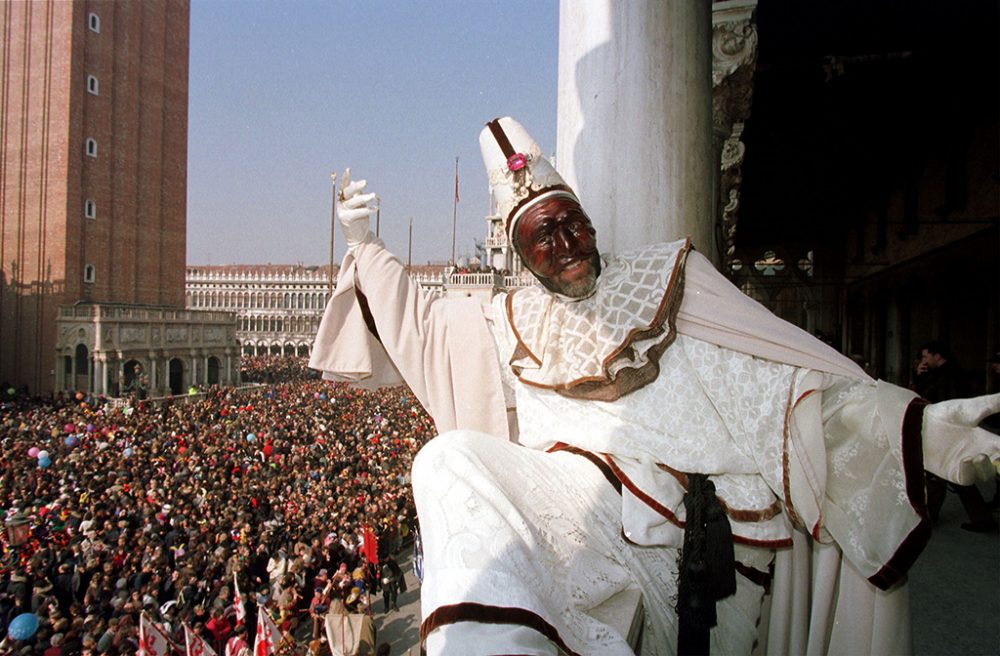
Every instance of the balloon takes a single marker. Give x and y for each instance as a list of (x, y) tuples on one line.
[(90, 428), (251, 437), (44, 462), (69, 428), (322, 397), (33, 452), (71, 441), (315, 395), (23, 626), (127, 452), (43, 454)]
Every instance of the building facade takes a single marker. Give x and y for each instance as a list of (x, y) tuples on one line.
[(277, 308), (94, 174)]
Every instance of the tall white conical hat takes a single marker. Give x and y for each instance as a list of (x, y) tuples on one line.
[(519, 174)]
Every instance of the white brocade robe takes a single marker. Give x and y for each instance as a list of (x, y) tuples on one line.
[(798, 444)]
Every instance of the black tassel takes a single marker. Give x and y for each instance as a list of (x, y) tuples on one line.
[(707, 569)]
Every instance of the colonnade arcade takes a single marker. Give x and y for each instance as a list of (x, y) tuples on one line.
[(116, 350)]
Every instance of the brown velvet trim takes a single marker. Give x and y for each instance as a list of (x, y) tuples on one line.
[(739, 515), (604, 387), (527, 200), (673, 519), (366, 313), (786, 481), (913, 469), (913, 454), (592, 457), (782, 543), (473, 612), (642, 496), (521, 349), (763, 579), (501, 138)]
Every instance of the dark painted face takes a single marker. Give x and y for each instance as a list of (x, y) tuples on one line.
[(557, 243)]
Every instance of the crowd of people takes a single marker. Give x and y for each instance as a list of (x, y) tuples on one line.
[(163, 509), (274, 368)]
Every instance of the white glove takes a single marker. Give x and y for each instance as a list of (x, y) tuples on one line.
[(954, 448), (353, 211)]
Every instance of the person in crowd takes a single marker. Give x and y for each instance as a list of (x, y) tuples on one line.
[(392, 575)]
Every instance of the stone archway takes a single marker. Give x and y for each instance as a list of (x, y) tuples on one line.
[(175, 376), (81, 357), (213, 370)]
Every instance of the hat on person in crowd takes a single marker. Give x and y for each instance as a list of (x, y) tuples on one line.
[(519, 175)]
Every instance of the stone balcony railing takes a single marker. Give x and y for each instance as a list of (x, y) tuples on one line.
[(111, 312)]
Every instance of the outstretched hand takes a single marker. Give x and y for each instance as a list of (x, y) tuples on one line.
[(353, 211), (954, 447)]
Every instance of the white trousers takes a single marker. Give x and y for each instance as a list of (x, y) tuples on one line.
[(519, 547)]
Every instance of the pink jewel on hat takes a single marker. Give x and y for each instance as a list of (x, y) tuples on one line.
[(517, 161)]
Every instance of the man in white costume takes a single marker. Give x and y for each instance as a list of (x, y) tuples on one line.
[(636, 421)]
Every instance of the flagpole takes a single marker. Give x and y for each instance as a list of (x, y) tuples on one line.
[(378, 215), (333, 222), (409, 249), (454, 214)]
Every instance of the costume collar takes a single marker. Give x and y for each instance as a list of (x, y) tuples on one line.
[(608, 344)]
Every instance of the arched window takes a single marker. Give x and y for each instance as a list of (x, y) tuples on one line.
[(93, 86), (91, 148), (90, 209), (89, 273), (94, 22), (82, 360)]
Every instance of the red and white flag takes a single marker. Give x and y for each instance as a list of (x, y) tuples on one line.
[(241, 609), (194, 645), (268, 637), (152, 640)]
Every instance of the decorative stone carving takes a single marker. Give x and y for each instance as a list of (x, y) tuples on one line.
[(132, 335), (177, 334), (734, 41), (734, 58), (215, 334)]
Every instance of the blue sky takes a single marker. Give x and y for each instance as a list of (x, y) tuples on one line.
[(283, 93)]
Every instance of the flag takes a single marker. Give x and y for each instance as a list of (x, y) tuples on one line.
[(268, 637), (371, 546), (194, 645), (241, 609), (152, 640), (456, 179)]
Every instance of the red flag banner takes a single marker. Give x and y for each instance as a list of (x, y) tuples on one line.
[(371, 546), (241, 609), (194, 645), (152, 640), (268, 636)]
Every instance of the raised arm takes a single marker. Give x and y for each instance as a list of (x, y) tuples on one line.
[(378, 314)]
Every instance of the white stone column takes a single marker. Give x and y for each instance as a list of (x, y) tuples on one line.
[(99, 385), (154, 380), (634, 135), (194, 370)]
